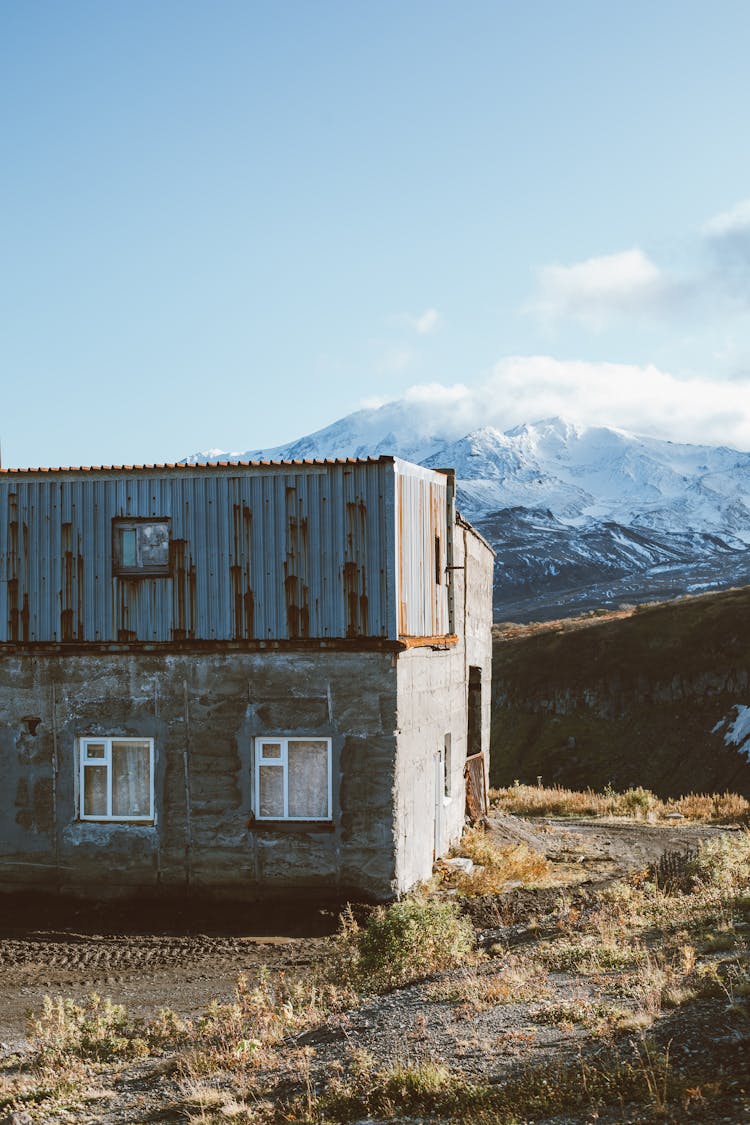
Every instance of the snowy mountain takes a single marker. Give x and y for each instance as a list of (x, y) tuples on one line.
[(580, 517), (399, 428)]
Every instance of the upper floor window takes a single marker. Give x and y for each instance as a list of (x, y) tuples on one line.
[(116, 780), (140, 547)]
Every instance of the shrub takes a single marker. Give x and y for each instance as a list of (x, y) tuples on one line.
[(96, 1029), (722, 864), (516, 981), (637, 801), (401, 1088), (403, 942)]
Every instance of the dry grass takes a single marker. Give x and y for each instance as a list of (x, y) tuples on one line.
[(429, 1089), (497, 866), (516, 981), (533, 800), (242, 1035)]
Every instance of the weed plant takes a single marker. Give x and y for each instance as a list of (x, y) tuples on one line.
[(98, 1029)]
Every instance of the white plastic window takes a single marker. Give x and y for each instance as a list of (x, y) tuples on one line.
[(293, 779), (116, 779)]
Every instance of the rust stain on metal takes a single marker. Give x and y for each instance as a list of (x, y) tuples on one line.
[(13, 629), (25, 618), (126, 588), (249, 607), (80, 592), (292, 609), (13, 614), (66, 594), (183, 579), (355, 569), (296, 590), (243, 598), (204, 468)]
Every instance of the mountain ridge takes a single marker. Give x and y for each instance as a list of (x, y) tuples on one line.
[(632, 517)]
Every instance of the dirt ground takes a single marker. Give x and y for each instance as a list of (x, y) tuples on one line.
[(159, 959), (149, 959)]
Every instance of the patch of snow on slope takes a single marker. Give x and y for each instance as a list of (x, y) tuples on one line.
[(737, 731)]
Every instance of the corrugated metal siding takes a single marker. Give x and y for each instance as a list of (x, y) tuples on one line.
[(422, 518), (255, 554)]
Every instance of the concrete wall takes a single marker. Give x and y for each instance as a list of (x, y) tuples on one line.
[(203, 711), (433, 703)]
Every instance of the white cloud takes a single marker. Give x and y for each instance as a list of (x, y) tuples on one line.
[(425, 324), (728, 223), (597, 288), (645, 400)]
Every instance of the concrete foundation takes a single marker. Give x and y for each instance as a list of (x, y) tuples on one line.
[(203, 712)]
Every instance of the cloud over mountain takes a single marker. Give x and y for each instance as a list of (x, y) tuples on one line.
[(644, 399)]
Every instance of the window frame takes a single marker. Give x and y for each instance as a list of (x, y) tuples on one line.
[(133, 523), (85, 763), (447, 767), (283, 762)]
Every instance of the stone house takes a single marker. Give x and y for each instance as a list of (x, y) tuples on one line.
[(238, 679)]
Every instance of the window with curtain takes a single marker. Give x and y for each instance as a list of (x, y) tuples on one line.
[(293, 779), (116, 779)]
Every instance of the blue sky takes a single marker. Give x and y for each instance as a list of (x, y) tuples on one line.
[(228, 224)]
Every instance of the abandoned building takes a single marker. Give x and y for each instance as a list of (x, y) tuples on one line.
[(238, 679)]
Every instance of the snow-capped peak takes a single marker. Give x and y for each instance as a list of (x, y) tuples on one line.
[(578, 472), (603, 504)]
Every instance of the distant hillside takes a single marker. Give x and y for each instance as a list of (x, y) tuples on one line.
[(659, 697)]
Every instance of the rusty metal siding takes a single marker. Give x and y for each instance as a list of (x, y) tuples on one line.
[(423, 513), (256, 553)]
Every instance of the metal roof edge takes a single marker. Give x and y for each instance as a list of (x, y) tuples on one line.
[(200, 467), (470, 527), (420, 471)]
